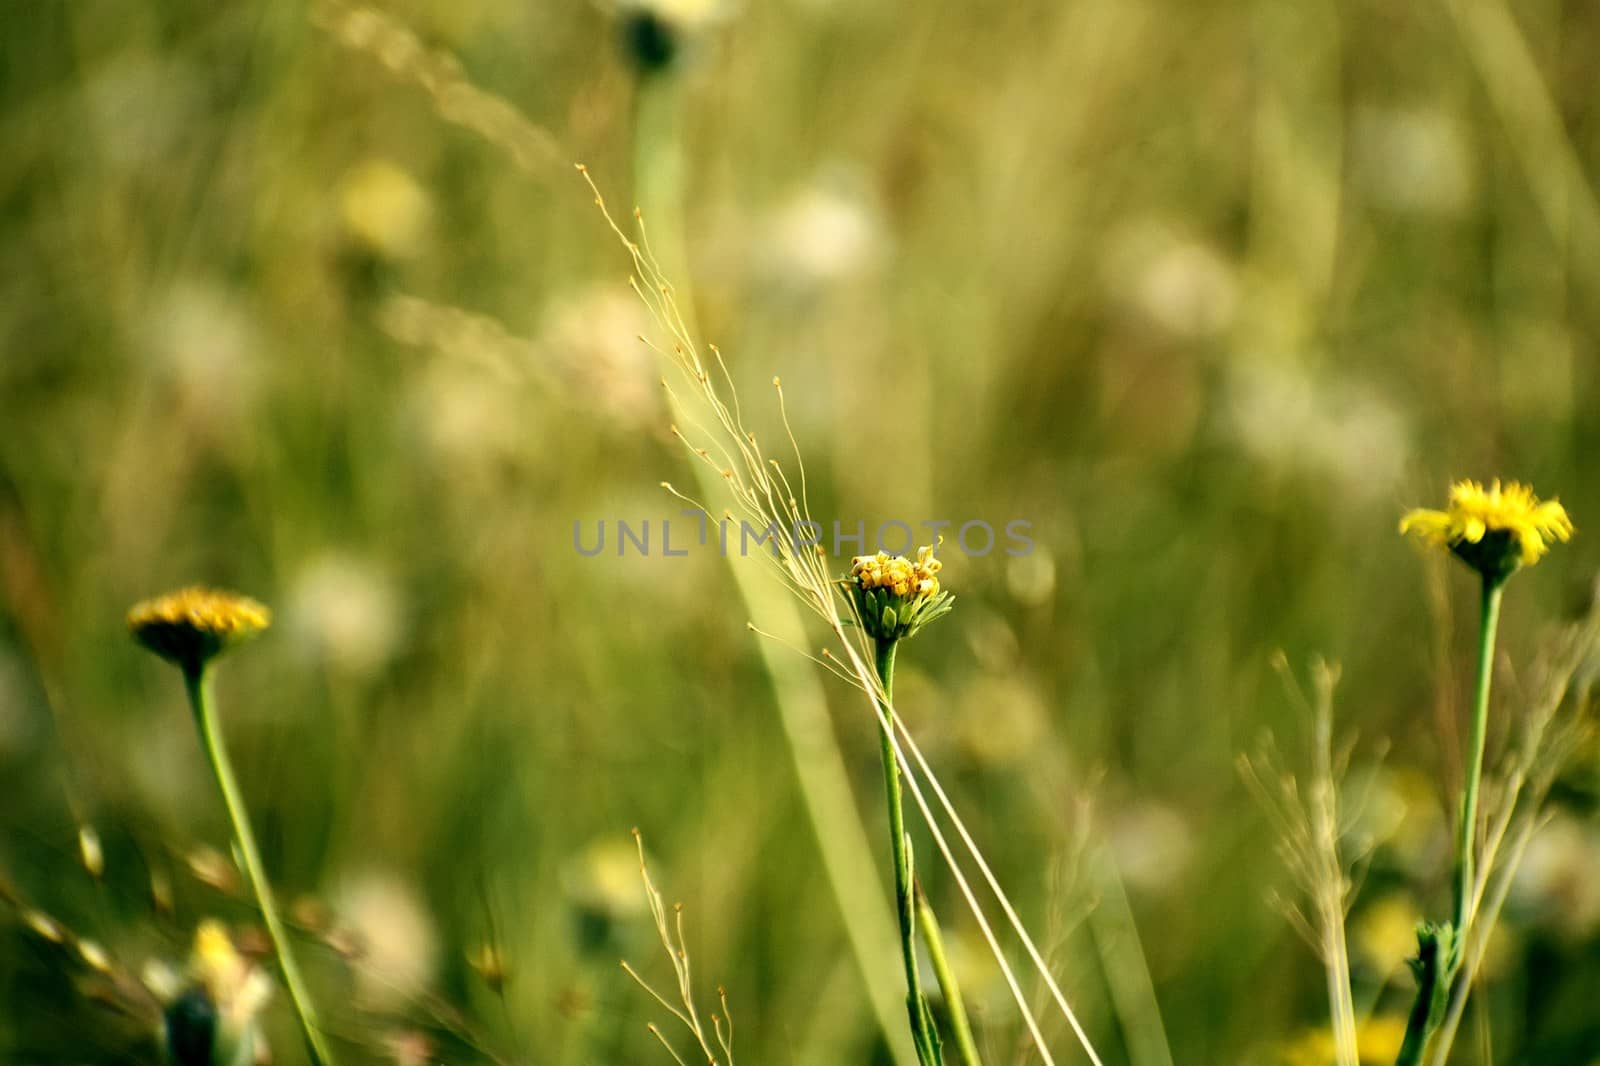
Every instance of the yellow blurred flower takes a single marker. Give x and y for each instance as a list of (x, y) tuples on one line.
[(384, 208), (193, 625), (1384, 934), (1494, 529), (1378, 1042), (236, 986)]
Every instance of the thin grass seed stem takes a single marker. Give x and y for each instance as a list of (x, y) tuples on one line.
[(198, 685), (993, 882), (921, 1032), (660, 188), (1467, 830), (869, 679), (1333, 886), (1473, 953), (960, 1027)]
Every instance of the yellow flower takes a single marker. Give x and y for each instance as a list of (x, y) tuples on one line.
[(384, 208), (895, 596), (1494, 530), (235, 986), (194, 625), (1378, 1042), (897, 573)]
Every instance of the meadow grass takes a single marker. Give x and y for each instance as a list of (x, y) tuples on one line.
[(306, 300)]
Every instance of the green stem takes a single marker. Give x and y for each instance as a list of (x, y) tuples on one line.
[(922, 1032), (960, 1027), (1467, 831), (660, 176), (1433, 984), (198, 684), (1438, 963)]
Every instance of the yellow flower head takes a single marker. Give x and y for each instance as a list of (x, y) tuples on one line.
[(194, 625), (235, 986), (1493, 530), (896, 596), (1378, 1042), (898, 574)]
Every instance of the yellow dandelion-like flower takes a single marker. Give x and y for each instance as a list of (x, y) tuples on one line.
[(216, 961), (896, 596), (1378, 1042), (1495, 530), (194, 625), (897, 573), (235, 987)]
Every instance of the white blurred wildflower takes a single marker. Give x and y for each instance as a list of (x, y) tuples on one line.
[(1031, 578), (827, 232), (395, 946), (1152, 845), (471, 424), (1283, 417), (344, 611), (1412, 159), (1558, 877), (205, 341), (1177, 283), (590, 338)]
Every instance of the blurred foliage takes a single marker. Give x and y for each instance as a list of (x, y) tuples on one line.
[(1208, 292)]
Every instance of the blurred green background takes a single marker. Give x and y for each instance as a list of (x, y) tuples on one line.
[(1208, 292)]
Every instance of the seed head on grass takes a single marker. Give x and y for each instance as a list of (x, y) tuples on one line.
[(192, 626), (1495, 530), (672, 940)]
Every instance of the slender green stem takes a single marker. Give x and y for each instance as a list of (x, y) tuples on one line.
[(922, 1031), (661, 175), (1466, 839), (198, 684), (1440, 951), (960, 1027)]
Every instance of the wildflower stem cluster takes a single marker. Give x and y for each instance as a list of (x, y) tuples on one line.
[(1495, 531), (190, 629), (911, 905)]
